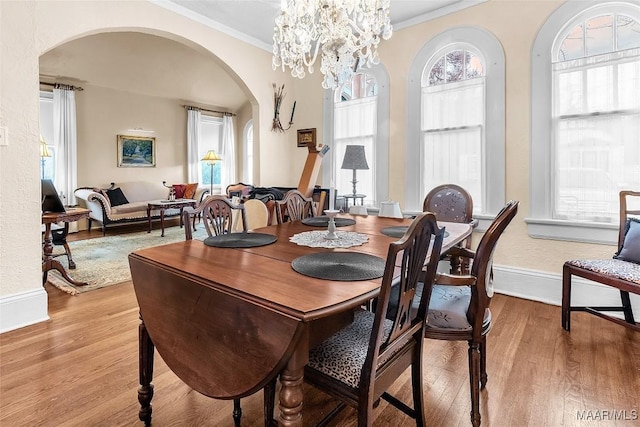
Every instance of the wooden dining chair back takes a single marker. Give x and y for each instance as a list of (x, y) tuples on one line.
[(621, 272), (459, 304), (452, 203), (360, 362), (294, 207), (217, 214)]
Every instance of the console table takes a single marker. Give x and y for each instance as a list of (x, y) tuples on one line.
[(48, 262), (161, 205)]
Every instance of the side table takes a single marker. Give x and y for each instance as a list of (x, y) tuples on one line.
[(161, 205), (48, 262), (355, 198)]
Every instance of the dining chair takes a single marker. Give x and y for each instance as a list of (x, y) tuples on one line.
[(621, 272), (217, 216), (359, 363), (294, 207), (452, 203), (459, 305)]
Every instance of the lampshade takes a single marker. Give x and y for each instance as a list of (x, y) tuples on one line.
[(44, 150), (354, 158), (211, 156)]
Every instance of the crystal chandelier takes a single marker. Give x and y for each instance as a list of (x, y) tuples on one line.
[(345, 33)]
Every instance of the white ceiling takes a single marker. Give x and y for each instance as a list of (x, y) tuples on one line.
[(252, 20), (155, 66)]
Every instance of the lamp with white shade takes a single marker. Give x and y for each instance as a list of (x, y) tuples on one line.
[(44, 153), (211, 157)]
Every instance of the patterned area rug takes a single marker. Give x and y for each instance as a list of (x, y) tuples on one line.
[(103, 261)]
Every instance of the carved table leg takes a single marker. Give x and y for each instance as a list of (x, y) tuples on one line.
[(291, 379), (145, 392), (162, 221)]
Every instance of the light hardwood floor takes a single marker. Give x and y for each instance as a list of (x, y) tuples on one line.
[(80, 368)]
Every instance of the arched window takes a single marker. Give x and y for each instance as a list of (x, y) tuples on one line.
[(592, 100), (453, 121), (455, 118), (357, 113)]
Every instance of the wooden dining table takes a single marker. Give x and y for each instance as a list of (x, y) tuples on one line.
[(227, 321)]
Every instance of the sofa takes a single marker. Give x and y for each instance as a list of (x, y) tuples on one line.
[(126, 202)]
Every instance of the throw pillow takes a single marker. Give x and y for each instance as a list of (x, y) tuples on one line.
[(190, 191), (116, 197), (178, 190), (630, 250)]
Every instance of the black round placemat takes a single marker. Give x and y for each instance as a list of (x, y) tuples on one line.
[(343, 266), (240, 240), (399, 230), (323, 221)]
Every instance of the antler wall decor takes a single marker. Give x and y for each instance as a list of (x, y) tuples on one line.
[(278, 96)]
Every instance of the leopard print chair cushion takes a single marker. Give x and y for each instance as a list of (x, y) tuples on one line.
[(342, 355), (620, 269)]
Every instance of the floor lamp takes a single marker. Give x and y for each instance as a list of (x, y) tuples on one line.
[(211, 157), (44, 153)]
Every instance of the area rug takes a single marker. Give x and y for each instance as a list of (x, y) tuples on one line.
[(103, 261)]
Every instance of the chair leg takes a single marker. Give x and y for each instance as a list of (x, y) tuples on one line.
[(474, 379), (483, 363), (418, 391), (269, 403), (237, 412), (626, 307), (566, 298)]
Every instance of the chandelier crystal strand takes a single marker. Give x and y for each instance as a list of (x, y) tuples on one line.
[(344, 33)]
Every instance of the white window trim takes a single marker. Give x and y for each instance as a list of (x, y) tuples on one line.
[(245, 153), (540, 223), (490, 49), (382, 133)]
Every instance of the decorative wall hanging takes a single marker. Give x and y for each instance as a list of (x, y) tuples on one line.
[(278, 96), (136, 151)]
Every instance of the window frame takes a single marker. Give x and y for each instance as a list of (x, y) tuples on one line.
[(381, 146), (540, 222), (213, 120), (248, 153), (494, 166)]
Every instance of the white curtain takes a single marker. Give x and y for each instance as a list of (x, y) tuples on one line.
[(228, 155), (65, 143), (452, 124), (193, 141), (596, 132), (355, 123)]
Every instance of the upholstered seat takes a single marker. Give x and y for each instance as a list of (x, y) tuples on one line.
[(617, 268), (343, 354)]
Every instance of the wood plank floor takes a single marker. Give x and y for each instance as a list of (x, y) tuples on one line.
[(80, 368)]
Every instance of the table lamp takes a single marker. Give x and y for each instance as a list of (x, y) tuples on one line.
[(211, 157), (44, 153), (354, 159)]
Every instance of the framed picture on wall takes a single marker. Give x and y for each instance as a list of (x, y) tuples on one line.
[(306, 137), (136, 151)]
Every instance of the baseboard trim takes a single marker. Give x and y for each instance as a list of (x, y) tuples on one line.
[(547, 288), (23, 309)]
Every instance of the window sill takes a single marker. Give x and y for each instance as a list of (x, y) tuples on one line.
[(573, 231)]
